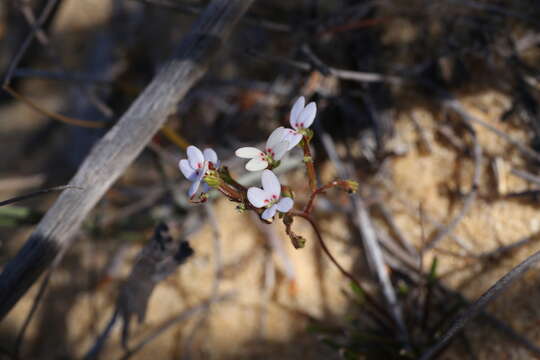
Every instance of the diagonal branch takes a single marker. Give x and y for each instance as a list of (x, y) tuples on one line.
[(118, 148), (461, 320)]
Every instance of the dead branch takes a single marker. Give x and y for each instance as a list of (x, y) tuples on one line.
[(118, 148), (476, 308)]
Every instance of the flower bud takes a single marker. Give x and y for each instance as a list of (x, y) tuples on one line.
[(212, 178), (350, 186), (297, 241)]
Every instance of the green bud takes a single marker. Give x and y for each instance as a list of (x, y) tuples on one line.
[(297, 241), (350, 186), (308, 159), (241, 208), (212, 178)]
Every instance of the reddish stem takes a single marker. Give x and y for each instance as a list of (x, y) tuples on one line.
[(308, 159), (345, 273), (322, 189), (231, 193)]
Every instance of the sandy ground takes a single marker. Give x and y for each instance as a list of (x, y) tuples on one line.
[(268, 313)]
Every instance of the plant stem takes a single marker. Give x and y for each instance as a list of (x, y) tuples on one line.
[(368, 298), (322, 189), (308, 160)]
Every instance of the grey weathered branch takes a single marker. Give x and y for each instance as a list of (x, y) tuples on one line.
[(118, 148)]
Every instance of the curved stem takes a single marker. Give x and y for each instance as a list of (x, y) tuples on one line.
[(345, 273)]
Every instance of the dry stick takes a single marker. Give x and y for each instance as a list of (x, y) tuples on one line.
[(338, 73), (394, 228), (118, 148), (374, 253), (473, 310), (527, 176), (28, 14), (454, 104), (469, 198), (414, 212), (394, 249), (424, 139), (39, 23), (37, 193)]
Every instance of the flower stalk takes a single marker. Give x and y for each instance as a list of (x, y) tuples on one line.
[(203, 168)]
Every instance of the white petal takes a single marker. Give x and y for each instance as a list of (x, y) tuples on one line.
[(307, 116), (275, 137), (195, 157), (295, 111), (248, 152), (193, 188), (270, 183), (210, 155), (269, 213), (285, 204), (187, 170), (256, 164), (257, 197), (293, 139), (280, 149)]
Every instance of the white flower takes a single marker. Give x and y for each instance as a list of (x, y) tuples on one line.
[(301, 118), (196, 166), (276, 147), (269, 196)]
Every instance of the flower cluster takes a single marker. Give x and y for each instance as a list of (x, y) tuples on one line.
[(203, 166)]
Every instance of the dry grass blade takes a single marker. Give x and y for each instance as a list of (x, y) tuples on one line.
[(37, 193), (375, 258)]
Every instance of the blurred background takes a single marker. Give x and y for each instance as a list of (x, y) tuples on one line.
[(431, 106)]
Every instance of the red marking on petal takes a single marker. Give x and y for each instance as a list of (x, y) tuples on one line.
[(266, 201)]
